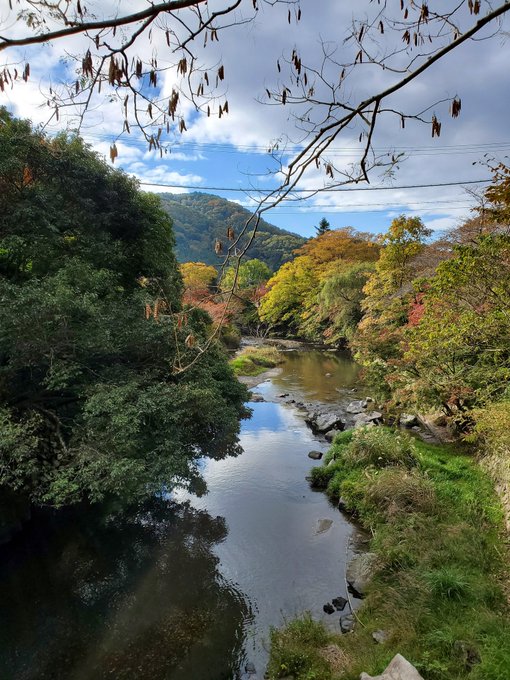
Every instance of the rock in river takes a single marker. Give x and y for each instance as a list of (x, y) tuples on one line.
[(323, 525), (339, 603), (315, 455), (356, 406), (328, 608), (324, 422)]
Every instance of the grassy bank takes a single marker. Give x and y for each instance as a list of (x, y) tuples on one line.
[(438, 591), (256, 360)]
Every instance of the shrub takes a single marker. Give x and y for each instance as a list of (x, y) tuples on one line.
[(394, 492), (380, 447)]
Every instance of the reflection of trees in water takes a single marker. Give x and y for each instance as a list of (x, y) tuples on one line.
[(133, 596), (311, 367)]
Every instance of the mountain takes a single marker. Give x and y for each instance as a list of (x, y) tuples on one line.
[(199, 219)]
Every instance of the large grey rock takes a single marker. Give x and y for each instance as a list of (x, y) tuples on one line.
[(356, 406), (323, 421), (328, 421), (398, 669), (371, 418), (329, 436), (360, 571), (408, 420)]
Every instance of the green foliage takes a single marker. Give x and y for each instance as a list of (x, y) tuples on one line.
[(199, 219), (89, 405), (251, 274)]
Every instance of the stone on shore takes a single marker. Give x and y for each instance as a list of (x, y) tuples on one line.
[(356, 406), (398, 669), (360, 571)]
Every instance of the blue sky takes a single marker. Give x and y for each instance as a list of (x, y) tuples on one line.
[(230, 154)]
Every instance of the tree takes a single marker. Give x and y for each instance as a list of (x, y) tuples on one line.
[(323, 227), (250, 275), (302, 296), (389, 295), (92, 401), (198, 279)]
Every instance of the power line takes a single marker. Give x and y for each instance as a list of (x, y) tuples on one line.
[(318, 189), (231, 147)]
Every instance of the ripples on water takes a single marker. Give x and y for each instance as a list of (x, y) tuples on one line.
[(187, 590)]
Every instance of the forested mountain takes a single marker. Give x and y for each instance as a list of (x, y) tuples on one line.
[(199, 219)]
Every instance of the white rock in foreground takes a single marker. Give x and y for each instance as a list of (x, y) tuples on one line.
[(399, 669)]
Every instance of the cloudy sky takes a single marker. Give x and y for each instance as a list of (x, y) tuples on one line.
[(229, 156)]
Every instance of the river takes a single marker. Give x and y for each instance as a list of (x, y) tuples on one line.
[(185, 587)]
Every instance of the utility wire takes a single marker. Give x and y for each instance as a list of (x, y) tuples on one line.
[(317, 189)]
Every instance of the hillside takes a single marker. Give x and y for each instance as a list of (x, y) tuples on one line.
[(199, 219)]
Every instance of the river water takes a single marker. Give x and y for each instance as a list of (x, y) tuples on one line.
[(185, 588)]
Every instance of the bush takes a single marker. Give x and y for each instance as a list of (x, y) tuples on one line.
[(380, 447), (394, 492)]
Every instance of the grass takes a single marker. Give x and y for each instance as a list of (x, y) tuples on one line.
[(255, 360), (437, 529)]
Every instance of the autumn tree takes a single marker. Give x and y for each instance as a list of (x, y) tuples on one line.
[(389, 294), (198, 279), (300, 294)]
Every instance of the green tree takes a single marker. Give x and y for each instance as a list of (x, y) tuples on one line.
[(323, 227), (250, 275), (90, 330)]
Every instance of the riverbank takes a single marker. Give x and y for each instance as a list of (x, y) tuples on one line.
[(439, 564)]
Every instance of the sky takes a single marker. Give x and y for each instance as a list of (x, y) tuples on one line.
[(228, 156)]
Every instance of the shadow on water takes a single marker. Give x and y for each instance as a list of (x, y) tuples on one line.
[(136, 595)]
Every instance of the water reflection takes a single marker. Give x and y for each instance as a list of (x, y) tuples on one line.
[(132, 596), (163, 592), (316, 375)]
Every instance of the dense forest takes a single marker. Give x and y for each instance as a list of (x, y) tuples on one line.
[(201, 219), (93, 403)]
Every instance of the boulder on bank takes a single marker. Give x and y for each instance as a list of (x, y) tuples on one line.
[(408, 420), (398, 669), (331, 434), (360, 571), (356, 406), (371, 418)]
